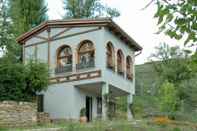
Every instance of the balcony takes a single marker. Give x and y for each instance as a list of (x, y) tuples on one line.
[(129, 76), (86, 64), (120, 71), (63, 69), (110, 65)]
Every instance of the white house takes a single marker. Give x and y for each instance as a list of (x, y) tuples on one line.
[(88, 59)]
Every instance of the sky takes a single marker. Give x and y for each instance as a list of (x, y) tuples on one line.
[(139, 24)]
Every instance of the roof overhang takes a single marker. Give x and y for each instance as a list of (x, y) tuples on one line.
[(106, 22)]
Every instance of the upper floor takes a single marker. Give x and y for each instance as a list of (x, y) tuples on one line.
[(83, 49)]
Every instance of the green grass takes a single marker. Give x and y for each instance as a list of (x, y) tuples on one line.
[(111, 126)]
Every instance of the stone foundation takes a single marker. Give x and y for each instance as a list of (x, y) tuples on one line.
[(43, 118), (17, 114)]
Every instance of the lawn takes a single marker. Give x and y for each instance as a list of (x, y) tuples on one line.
[(111, 126)]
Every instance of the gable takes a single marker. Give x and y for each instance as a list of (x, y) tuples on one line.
[(58, 33), (112, 26)]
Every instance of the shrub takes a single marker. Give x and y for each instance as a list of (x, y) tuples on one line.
[(20, 82), (168, 98), (36, 77), (12, 81), (83, 112)]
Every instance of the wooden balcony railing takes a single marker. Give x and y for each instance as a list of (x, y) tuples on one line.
[(84, 65), (63, 69), (110, 65), (129, 76), (120, 71)]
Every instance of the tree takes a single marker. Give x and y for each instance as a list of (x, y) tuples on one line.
[(26, 14), (179, 68), (19, 17), (169, 101), (177, 18), (12, 80), (88, 9), (5, 33), (174, 64), (21, 82), (36, 77)]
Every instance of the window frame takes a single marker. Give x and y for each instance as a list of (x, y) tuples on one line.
[(68, 56)]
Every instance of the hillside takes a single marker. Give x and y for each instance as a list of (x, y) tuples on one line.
[(146, 79)]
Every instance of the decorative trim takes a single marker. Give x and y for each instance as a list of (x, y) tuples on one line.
[(38, 43), (58, 34), (62, 37), (76, 77), (75, 34), (49, 48), (40, 37)]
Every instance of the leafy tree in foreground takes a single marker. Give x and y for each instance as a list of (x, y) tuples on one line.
[(36, 77), (21, 82), (12, 80), (88, 9), (177, 18)]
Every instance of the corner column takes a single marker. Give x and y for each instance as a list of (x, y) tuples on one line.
[(74, 59), (105, 92), (129, 107)]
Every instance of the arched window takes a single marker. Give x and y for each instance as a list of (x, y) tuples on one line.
[(64, 59), (120, 62), (110, 56), (85, 54), (129, 68), (64, 56)]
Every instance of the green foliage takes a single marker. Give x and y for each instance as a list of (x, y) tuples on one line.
[(147, 80), (88, 9), (36, 77), (169, 99), (26, 14), (179, 68), (175, 65), (21, 82), (6, 36), (177, 19), (17, 17), (176, 129), (83, 112), (12, 81)]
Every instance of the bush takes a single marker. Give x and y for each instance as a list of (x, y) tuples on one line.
[(83, 112), (36, 77), (12, 81), (20, 82), (168, 98)]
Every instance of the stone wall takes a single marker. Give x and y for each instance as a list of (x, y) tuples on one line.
[(15, 114), (43, 118)]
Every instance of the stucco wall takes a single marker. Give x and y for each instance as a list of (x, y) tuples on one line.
[(64, 101), (112, 77)]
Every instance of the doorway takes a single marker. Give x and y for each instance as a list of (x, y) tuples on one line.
[(89, 108)]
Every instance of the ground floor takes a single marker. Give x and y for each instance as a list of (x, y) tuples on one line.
[(64, 101)]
